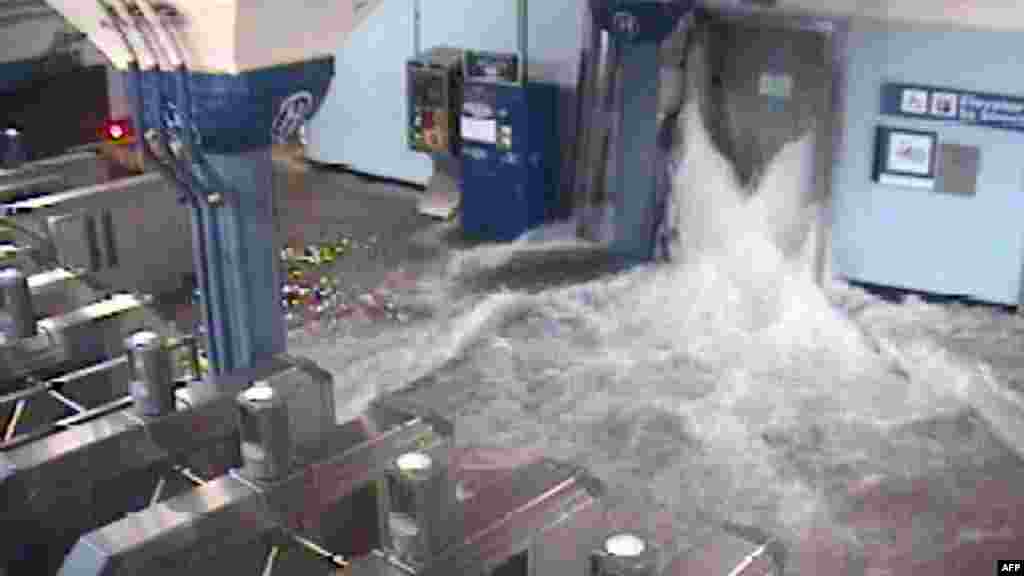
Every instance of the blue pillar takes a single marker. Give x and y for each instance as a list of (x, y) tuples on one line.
[(634, 186), (637, 27), (246, 258), (228, 181)]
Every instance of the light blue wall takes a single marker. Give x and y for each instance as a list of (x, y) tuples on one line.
[(362, 122), (919, 239)]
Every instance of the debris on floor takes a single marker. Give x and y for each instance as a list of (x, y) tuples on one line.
[(312, 296)]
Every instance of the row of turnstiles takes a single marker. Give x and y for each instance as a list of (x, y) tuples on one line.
[(128, 466), (118, 456)]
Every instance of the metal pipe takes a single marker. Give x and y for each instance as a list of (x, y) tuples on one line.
[(224, 354), (66, 423), (165, 63), (141, 47), (158, 491), (25, 393), (421, 517), (150, 17), (20, 4), (17, 299), (220, 353), (151, 42), (587, 107), (522, 17), (135, 67), (12, 424), (337, 560), (152, 385), (417, 34), (21, 16), (78, 408), (748, 560), (189, 475), (187, 183), (207, 180), (268, 567), (266, 433)]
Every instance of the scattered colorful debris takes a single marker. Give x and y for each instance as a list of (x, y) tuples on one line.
[(312, 299), (311, 296)]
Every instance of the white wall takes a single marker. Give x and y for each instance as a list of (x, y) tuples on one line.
[(919, 239), (362, 123)]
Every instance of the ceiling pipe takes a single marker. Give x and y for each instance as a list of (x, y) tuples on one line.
[(22, 4), (27, 15)]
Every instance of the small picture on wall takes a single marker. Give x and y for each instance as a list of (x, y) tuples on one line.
[(914, 101), (910, 153), (944, 105), (905, 157)]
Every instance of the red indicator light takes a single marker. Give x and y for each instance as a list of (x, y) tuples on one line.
[(117, 130)]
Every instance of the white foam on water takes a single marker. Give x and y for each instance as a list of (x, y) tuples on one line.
[(726, 385)]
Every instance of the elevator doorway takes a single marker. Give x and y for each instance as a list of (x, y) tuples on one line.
[(765, 81)]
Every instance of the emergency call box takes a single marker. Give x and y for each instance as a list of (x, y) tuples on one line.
[(435, 95), (511, 158)]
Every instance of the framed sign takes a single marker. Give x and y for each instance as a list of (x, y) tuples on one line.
[(914, 101), (905, 157), (953, 105), (945, 105)]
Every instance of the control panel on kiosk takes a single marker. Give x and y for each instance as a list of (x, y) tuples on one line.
[(435, 98), (435, 79), (510, 148)]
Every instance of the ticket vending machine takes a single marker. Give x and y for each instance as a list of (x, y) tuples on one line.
[(435, 91), (510, 153)]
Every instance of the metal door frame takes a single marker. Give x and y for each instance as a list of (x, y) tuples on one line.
[(835, 32)]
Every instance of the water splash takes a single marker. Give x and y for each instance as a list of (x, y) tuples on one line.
[(724, 386)]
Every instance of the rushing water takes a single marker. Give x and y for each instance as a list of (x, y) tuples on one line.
[(724, 386)]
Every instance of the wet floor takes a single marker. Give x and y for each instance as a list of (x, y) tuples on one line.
[(955, 515)]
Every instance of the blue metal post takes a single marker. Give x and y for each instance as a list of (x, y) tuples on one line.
[(245, 258), (235, 119), (213, 138), (634, 180), (636, 28)]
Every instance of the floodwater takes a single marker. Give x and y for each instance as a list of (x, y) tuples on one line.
[(870, 437)]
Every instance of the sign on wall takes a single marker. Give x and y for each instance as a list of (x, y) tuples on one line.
[(905, 158), (942, 104)]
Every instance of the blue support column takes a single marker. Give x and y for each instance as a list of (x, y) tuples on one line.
[(246, 259), (636, 27), (634, 185), (225, 170)]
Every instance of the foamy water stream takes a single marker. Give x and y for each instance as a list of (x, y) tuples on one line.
[(725, 386)]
